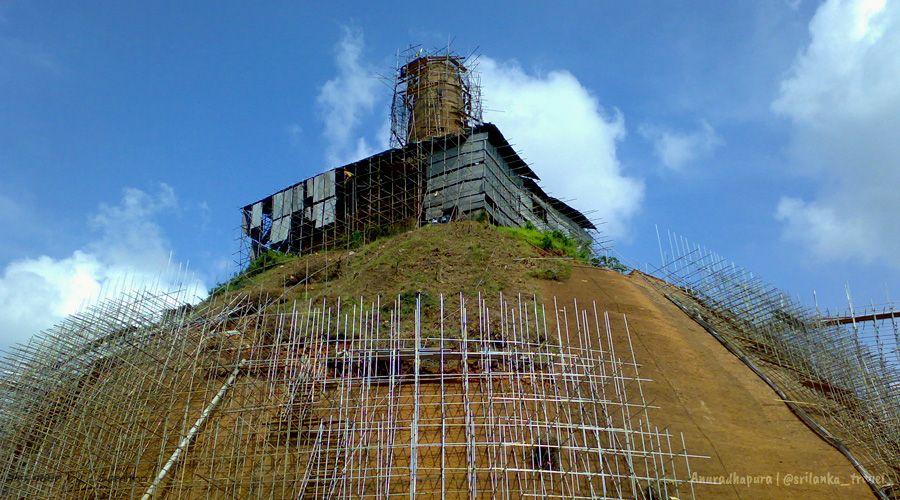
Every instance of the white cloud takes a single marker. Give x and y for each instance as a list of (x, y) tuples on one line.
[(842, 96), (560, 128), (554, 121), (827, 234), (345, 100), (128, 253), (676, 149)]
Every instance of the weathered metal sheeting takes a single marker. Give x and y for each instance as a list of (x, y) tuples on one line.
[(450, 163), (466, 180), (280, 229), (278, 205), (322, 186), (323, 213), (256, 215), (318, 188), (463, 204), (297, 198), (245, 221), (473, 173), (327, 212), (287, 203), (283, 202), (471, 152), (329, 182), (452, 188), (441, 182)]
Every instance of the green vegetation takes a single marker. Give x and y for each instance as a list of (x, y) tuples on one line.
[(434, 259), (358, 238), (263, 262), (465, 256), (267, 260), (551, 241), (558, 243), (555, 272), (408, 302), (609, 262), (440, 258)]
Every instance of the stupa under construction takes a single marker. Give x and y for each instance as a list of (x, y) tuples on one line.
[(254, 395), (428, 322)]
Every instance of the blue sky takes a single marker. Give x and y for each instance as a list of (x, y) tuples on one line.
[(130, 133)]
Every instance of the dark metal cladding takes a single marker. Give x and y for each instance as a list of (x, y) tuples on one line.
[(434, 181)]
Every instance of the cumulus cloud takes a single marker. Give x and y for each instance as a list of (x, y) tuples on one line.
[(128, 252), (559, 127), (829, 235), (345, 100), (676, 149), (842, 97)]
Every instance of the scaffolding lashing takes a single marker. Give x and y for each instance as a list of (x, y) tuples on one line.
[(843, 374), (461, 397)]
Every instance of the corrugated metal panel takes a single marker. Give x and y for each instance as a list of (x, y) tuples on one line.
[(318, 188), (323, 186), (450, 164), (474, 146), (470, 204), (316, 211), (329, 214), (323, 213), (280, 229), (256, 215), (468, 188), (288, 202), (285, 228), (329, 183), (466, 174), (453, 198), (278, 205), (524, 202), (463, 204), (297, 203), (443, 156)]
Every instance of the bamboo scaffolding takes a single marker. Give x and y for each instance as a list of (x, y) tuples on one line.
[(142, 397), (845, 373)]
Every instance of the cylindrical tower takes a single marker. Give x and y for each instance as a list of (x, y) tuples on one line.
[(435, 97)]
